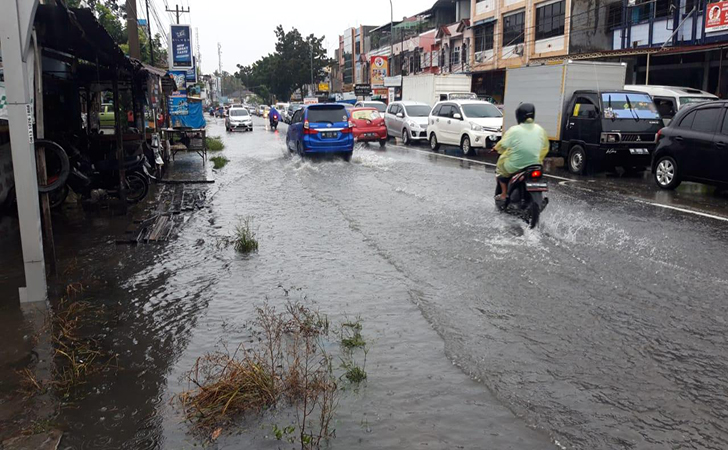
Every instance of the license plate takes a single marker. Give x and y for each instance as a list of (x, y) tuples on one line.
[(639, 151), (532, 186), (328, 134), (371, 135)]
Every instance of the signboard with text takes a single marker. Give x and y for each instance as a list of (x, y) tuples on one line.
[(379, 68), (181, 46), (716, 18), (178, 105), (179, 77), (363, 90)]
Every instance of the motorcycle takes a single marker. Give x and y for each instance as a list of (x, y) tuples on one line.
[(526, 195), (274, 123)]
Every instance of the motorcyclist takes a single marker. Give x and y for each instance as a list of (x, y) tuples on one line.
[(523, 145), (273, 116)]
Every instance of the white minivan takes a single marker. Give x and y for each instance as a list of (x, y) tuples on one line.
[(468, 124), (669, 99)]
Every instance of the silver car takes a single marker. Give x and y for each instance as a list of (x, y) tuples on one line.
[(407, 120)]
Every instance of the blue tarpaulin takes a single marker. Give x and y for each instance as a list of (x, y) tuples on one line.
[(193, 119)]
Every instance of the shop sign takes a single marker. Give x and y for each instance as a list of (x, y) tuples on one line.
[(181, 44), (717, 17), (379, 68)]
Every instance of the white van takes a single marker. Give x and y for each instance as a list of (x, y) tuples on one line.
[(669, 99)]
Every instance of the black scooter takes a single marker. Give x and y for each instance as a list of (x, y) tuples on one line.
[(274, 123), (525, 199)]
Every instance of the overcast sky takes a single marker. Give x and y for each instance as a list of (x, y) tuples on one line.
[(244, 28)]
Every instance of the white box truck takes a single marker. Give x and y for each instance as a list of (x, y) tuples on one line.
[(590, 119), (431, 88)]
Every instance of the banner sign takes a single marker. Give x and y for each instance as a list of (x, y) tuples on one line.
[(181, 46), (178, 105), (323, 87), (716, 18), (179, 77), (378, 70), (362, 90), (191, 75), (310, 100)]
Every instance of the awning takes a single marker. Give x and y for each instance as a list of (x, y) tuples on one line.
[(653, 51), (484, 21), (76, 32)]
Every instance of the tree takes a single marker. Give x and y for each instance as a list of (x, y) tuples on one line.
[(289, 68)]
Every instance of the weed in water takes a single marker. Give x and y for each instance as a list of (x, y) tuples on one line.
[(244, 240), (353, 372), (351, 337), (289, 365), (214, 143), (219, 161)]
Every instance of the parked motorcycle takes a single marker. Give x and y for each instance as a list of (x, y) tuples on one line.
[(525, 199)]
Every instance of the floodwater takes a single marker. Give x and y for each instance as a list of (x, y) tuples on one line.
[(604, 328)]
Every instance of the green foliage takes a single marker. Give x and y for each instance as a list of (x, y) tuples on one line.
[(289, 68), (214, 143), (244, 240), (354, 373), (286, 432), (219, 161)]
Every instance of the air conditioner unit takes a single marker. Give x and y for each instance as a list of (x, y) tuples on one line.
[(479, 57), (518, 50)]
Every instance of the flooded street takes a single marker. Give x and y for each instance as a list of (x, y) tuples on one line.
[(604, 328)]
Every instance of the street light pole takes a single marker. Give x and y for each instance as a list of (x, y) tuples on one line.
[(391, 28)]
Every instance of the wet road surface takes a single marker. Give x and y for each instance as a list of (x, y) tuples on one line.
[(604, 328)]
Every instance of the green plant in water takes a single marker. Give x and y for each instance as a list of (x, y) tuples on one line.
[(244, 240), (214, 143), (286, 432), (219, 161), (351, 337), (354, 373)]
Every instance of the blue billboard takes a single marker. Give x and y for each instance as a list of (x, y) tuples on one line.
[(181, 44)]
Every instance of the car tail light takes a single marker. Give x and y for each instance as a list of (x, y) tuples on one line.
[(346, 130), (306, 125), (536, 174), (307, 129)]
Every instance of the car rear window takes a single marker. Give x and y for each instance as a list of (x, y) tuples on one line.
[(365, 114), (327, 114), (239, 112), (381, 107)]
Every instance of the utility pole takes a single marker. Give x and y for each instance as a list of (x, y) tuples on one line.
[(313, 91), (219, 65), (391, 35), (178, 11), (132, 26), (149, 31)]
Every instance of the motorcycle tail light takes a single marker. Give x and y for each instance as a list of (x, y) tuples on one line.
[(536, 174)]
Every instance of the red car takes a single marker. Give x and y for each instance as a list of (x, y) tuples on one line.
[(368, 125)]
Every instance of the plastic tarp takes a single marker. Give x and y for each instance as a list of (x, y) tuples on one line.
[(3, 103), (193, 119)]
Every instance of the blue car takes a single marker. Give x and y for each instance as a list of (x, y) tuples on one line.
[(321, 129)]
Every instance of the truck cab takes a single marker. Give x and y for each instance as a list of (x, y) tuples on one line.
[(608, 128)]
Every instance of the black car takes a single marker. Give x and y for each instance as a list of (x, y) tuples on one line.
[(694, 147)]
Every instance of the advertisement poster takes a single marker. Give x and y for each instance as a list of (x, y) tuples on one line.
[(178, 105), (180, 77), (191, 75), (716, 18), (181, 46), (379, 68)]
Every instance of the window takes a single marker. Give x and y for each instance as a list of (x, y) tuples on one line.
[(690, 4), (687, 121), (455, 57), (513, 29), (446, 111), (484, 37), (550, 20), (706, 120), (392, 109), (614, 15), (436, 110), (297, 116), (418, 110), (584, 108), (328, 114), (481, 110), (724, 129), (665, 106)]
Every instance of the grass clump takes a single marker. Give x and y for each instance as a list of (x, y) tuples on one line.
[(244, 240), (353, 343), (214, 143), (351, 337), (219, 161), (354, 373), (288, 366)]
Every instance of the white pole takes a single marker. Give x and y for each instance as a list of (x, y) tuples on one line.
[(15, 25)]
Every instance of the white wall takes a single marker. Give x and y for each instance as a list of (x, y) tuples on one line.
[(553, 44)]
